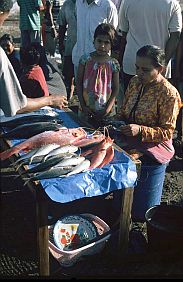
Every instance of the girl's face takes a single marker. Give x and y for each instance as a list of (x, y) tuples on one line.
[(102, 44), (7, 46), (145, 70)]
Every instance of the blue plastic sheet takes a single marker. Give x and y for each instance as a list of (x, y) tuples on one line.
[(119, 174)]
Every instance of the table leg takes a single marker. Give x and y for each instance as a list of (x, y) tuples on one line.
[(125, 219), (42, 237)]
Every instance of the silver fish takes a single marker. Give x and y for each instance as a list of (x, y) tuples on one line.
[(52, 161), (61, 150), (83, 166), (25, 156), (44, 150), (53, 172), (73, 161)]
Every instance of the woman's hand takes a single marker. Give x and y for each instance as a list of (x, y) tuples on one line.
[(130, 129)]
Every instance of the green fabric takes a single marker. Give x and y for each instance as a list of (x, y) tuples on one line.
[(29, 14)]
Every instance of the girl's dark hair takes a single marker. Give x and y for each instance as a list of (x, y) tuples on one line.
[(106, 29), (154, 53), (7, 37), (6, 5), (29, 56)]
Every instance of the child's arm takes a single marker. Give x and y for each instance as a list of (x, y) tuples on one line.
[(79, 88), (115, 91)]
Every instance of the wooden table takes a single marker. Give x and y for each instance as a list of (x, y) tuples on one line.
[(42, 215)]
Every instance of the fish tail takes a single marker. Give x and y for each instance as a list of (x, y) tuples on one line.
[(28, 180), (19, 165), (8, 153), (14, 150), (108, 157)]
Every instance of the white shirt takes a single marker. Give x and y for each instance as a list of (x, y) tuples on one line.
[(88, 18), (12, 98), (147, 22)]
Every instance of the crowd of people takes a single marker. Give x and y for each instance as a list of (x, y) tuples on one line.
[(102, 43)]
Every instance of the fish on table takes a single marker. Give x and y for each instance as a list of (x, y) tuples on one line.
[(29, 119), (28, 130)]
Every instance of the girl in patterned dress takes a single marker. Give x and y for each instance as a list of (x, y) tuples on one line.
[(97, 81)]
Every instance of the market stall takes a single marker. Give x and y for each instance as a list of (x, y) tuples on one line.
[(119, 174)]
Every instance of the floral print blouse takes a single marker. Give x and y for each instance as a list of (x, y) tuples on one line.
[(97, 82), (156, 110)]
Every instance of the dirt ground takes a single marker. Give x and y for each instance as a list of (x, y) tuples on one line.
[(18, 241)]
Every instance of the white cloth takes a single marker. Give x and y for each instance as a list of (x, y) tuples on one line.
[(67, 17), (88, 18), (11, 95), (147, 22), (181, 4)]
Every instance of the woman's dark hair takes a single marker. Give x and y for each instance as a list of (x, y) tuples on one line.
[(29, 56), (106, 29), (7, 37), (154, 53), (43, 61), (6, 5)]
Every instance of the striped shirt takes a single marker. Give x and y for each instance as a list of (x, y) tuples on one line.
[(29, 14)]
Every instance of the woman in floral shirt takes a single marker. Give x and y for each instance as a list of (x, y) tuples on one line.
[(150, 109)]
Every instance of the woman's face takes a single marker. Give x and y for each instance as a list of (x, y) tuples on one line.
[(145, 70)]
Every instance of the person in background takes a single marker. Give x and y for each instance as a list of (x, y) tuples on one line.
[(30, 25), (32, 80), (156, 22), (117, 4), (13, 101), (97, 83), (89, 14), (67, 23), (49, 33), (7, 43), (51, 72), (178, 76), (178, 82), (50, 26), (150, 109)]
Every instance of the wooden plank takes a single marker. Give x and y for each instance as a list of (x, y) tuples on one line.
[(125, 220), (42, 236)]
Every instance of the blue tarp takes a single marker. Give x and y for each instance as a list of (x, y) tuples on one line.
[(120, 173)]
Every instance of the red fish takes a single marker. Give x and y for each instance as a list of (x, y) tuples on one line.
[(64, 136), (100, 152)]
